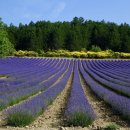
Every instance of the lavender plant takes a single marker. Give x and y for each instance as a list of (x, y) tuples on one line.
[(37, 104), (78, 111), (116, 101)]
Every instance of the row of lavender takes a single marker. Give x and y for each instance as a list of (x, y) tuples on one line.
[(108, 79), (24, 81), (78, 110), (112, 88), (27, 111), (111, 78)]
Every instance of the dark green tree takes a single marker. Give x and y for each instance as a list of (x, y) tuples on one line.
[(114, 37), (77, 35), (124, 31)]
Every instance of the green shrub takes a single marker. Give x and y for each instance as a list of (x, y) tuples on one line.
[(41, 53), (92, 54), (31, 53), (52, 54), (13, 100), (116, 55), (75, 54), (79, 119), (84, 55), (2, 106), (95, 48), (125, 55), (112, 126), (19, 119), (21, 53), (83, 49)]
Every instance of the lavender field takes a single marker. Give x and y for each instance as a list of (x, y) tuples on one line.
[(29, 86)]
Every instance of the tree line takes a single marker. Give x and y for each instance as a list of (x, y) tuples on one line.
[(76, 35)]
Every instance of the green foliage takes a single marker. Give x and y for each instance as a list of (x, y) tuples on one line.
[(74, 54), (2, 106), (83, 49), (6, 48), (20, 119), (21, 53), (95, 48), (40, 53), (112, 126), (79, 119), (13, 100), (72, 36)]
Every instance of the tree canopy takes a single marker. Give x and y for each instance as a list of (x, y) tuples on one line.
[(74, 36), (6, 48)]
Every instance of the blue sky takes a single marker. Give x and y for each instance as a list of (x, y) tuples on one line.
[(24, 11)]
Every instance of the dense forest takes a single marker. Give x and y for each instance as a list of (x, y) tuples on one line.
[(76, 35)]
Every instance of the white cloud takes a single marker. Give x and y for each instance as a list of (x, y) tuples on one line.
[(58, 9)]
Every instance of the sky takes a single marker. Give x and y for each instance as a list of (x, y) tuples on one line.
[(24, 11)]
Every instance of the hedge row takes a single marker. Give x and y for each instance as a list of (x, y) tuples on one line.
[(74, 54)]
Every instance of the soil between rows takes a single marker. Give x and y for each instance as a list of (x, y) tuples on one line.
[(53, 115)]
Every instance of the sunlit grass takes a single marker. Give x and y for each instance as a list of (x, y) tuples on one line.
[(19, 119), (79, 119)]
